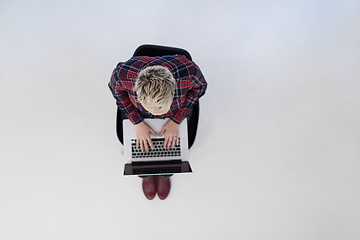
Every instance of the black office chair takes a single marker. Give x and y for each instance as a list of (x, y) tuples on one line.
[(153, 51)]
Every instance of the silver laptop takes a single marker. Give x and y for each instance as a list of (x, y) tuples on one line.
[(158, 161)]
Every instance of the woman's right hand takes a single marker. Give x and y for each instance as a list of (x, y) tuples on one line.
[(143, 139)]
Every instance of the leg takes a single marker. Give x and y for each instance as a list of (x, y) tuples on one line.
[(156, 184), (163, 186), (149, 186), (163, 181)]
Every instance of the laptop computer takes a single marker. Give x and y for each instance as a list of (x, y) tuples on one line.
[(158, 161)]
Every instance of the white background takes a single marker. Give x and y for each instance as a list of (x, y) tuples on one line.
[(277, 153)]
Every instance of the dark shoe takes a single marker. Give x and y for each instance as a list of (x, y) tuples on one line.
[(149, 187), (163, 187)]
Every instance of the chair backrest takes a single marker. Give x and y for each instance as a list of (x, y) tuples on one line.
[(156, 50)]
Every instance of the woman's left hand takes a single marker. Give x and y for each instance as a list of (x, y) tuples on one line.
[(171, 130)]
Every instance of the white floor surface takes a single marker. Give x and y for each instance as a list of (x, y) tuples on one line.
[(277, 155)]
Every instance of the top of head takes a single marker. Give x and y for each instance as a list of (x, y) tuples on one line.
[(155, 87)]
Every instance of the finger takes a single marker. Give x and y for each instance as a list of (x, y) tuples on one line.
[(151, 144), (169, 143), (173, 142), (162, 131), (153, 132), (165, 141), (137, 143), (142, 146), (146, 145)]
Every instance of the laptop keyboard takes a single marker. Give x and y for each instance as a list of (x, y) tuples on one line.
[(159, 150)]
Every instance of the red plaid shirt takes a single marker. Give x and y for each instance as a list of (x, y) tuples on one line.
[(190, 86)]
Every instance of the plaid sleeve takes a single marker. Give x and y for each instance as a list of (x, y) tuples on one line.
[(123, 100), (196, 90)]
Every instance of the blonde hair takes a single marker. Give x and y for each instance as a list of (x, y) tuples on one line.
[(155, 87)]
